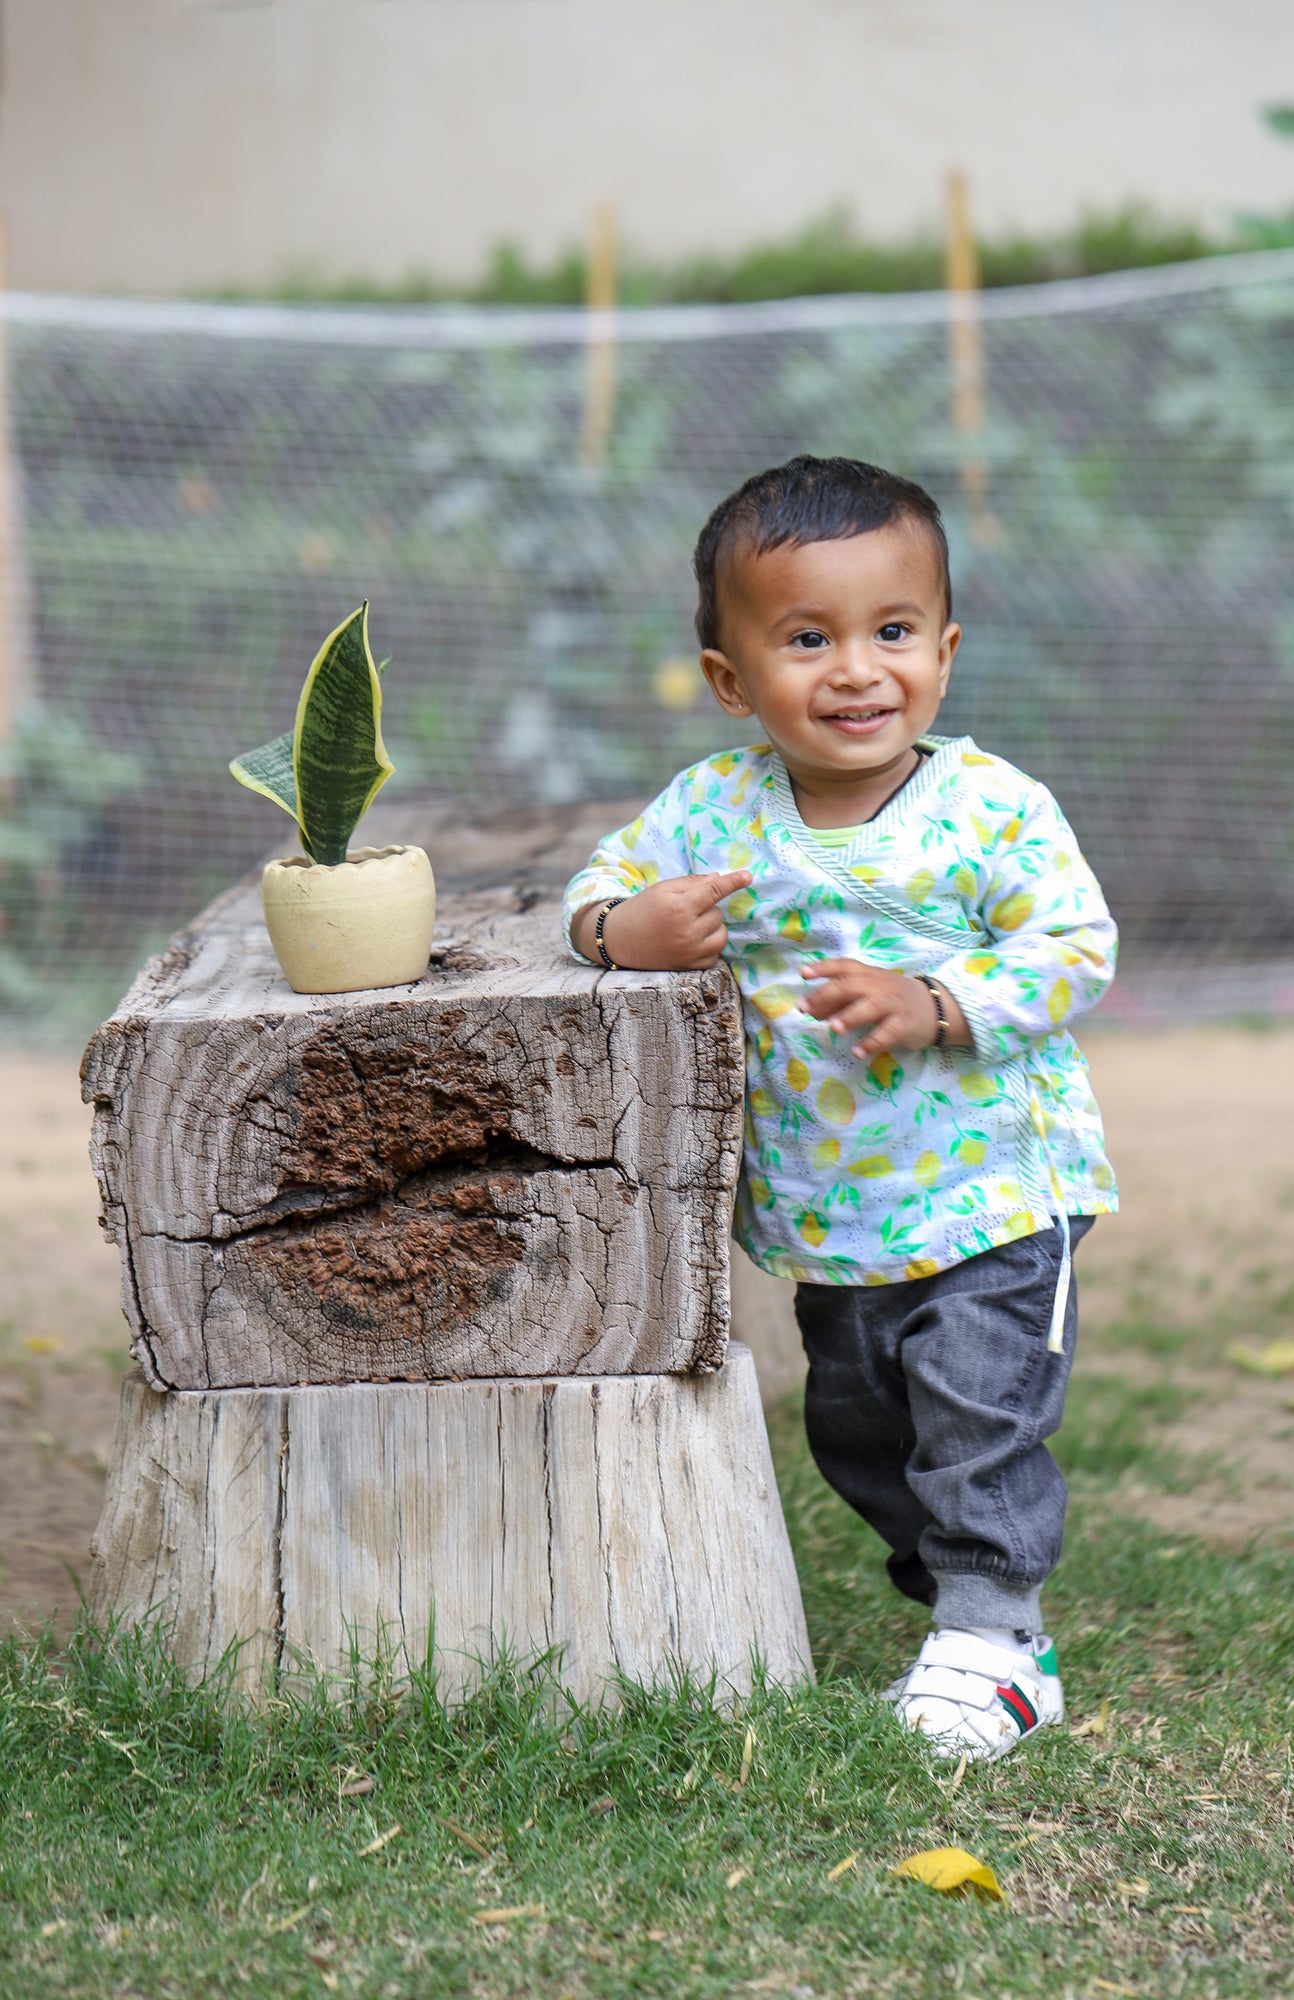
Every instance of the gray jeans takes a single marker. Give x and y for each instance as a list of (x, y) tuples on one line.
[(926, 1408)]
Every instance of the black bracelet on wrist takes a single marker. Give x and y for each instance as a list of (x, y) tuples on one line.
[(941, 1032), (603, 914)]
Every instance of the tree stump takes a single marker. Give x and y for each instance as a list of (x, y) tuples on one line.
[(429, 1294), (624, 1524), (521, 1165)]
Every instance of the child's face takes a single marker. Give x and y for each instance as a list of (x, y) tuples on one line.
[(841, 649)]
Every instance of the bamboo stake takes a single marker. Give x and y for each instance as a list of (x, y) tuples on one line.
[(966, 351), (600, 365)]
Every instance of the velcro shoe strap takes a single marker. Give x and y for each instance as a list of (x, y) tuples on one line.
[(966, 1654), (952, 1684)]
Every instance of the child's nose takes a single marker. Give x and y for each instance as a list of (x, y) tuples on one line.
[(853, 666)]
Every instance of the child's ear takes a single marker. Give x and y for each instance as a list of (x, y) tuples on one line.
[(949, 640), (724, 683)]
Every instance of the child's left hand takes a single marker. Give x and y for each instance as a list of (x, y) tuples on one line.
[(899, 1012)]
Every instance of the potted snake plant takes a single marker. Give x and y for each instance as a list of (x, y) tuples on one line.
[(340, 918)]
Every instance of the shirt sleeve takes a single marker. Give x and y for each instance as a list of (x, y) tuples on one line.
[(652, 848), (1050, 944)]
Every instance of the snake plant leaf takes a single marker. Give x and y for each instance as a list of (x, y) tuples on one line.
[(269, 772), (339, 760)]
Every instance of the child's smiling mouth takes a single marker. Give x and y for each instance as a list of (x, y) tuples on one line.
[(860, 721)]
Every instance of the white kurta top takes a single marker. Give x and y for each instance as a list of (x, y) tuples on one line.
[(866, 1173)]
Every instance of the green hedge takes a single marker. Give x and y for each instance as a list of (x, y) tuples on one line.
[(827, 255)]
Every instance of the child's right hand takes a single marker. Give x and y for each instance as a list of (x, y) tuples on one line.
[(674, 926)]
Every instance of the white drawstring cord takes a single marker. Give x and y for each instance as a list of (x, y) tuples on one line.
[(1056, 1338)]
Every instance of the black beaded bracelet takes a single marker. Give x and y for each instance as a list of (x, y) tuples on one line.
[(603, 914), (941, 1032)]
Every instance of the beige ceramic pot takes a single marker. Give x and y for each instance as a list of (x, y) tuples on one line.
[(367, 922)]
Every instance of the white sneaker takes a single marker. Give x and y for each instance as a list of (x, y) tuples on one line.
[(973, 1697)]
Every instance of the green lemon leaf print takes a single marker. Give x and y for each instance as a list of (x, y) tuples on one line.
[(814, 1228), (979, 1088), (885, 1071)]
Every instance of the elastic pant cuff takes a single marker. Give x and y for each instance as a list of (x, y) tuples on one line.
[(964, 1598)]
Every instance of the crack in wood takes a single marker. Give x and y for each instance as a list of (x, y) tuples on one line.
[(507, 1163), (517, 1166), (280, 1635)]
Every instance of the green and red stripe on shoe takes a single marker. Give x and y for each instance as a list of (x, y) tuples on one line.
[(973, 1697)]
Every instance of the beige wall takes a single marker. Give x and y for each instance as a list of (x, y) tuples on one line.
[(165, 144)]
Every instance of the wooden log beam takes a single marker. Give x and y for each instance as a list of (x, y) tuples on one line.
[(519, 1166), (627, 1525)]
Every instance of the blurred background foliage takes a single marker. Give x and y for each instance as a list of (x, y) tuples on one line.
[(826, 256), (202, 504)]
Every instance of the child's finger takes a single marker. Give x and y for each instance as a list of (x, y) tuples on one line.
[(838, 994), (718, 886), (707, 949), (834, 968), (883, 1035), (853, 1015)]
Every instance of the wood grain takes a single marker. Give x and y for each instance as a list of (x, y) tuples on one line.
[(624, 1525), (518, 1166)]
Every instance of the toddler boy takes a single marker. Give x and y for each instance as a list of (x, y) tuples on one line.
[(912, 928)]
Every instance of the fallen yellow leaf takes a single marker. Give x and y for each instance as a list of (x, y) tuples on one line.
[(44, 1343), (952, 1871), (843, 1867), (375, 1846), (1096, 1725), (737, 1875), (511, 1910), (1277, 1358)]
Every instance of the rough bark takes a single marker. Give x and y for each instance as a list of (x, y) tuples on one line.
[(627, 1525), (518, 1166)]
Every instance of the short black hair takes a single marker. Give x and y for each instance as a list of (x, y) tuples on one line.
[(809, 500)]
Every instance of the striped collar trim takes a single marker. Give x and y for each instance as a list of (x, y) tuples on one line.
[(944, 754)]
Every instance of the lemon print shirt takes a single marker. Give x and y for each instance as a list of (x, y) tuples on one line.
[(870, 1173)]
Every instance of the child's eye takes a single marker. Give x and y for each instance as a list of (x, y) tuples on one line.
[(892, 632), (811, 641)]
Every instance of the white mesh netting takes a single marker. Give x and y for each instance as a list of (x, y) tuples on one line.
[(198, 493)]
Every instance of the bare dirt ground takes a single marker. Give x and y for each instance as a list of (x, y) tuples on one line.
[(1199, 1123)]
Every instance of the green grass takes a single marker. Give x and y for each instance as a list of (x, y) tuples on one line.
[(163, 1841)]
